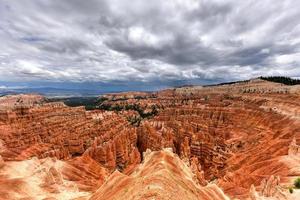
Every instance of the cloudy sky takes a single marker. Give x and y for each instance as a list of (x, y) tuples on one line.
[(148, 42)]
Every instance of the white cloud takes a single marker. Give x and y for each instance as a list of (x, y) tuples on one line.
[(117, 40), (139, 36), (288, 58)]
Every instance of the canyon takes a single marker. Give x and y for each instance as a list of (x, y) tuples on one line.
[(231, 141)]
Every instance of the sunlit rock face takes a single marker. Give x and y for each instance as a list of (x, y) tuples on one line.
[(61, 152), (162, 175), (11, 102), (50, 178), (55, 130), (218, 142)]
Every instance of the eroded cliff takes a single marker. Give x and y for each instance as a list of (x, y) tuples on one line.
[(228, 140)]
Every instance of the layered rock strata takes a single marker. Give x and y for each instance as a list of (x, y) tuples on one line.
[(241, 140)]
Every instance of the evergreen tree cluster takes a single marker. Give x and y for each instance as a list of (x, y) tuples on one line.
[(227, 83), (281, 79), (135, 107)]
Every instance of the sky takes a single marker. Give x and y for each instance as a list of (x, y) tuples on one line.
[(146, 44)]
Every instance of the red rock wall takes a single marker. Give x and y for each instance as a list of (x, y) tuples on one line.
[(55, 130)]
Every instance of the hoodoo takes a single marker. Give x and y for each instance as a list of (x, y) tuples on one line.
[(234, 141)]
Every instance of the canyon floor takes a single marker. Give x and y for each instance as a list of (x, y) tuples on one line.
[(231, 141)]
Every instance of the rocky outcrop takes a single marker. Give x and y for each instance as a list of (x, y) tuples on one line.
[(56, 130), (234, 136), (51, 178), (231, 130), (10, 102), (162, 175), (116, 151), (270, 189), (294, 149), (186, 131), (199, 173)]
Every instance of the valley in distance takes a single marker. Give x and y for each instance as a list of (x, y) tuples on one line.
[(238, 140)]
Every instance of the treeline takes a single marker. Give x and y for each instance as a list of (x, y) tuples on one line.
[(135, 107), (134, 120), (227, 83), (90, 103), (95, 103), (281, 79)]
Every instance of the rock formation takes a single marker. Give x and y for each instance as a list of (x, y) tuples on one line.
[(55, 130), (160, 171), (294, 149), (50, 178), (228, 141), (270, 189)]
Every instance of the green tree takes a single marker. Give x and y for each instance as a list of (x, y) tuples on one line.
[(297, 183)]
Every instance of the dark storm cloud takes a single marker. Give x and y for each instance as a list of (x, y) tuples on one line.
[(182, 50), (117, 40)]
